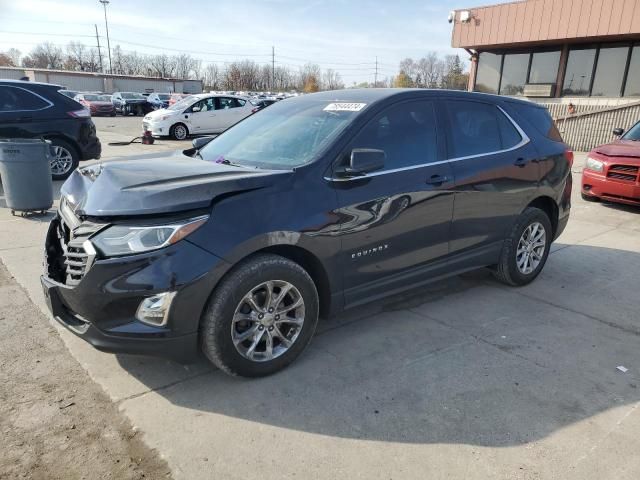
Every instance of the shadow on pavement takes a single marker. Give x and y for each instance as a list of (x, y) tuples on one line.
[(463, 361)]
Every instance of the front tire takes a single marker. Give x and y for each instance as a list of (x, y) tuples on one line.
[(261, 317), (65, 159), (179, 131), (525, 250)]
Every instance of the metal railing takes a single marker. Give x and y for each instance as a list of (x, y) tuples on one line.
[(592, 125)]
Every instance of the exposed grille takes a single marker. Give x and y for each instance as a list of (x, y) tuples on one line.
[(626, 173), (75, 255)]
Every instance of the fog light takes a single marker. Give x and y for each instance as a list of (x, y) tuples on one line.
[(155, 310)]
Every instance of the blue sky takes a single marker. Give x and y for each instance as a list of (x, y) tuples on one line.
[(340, 34)]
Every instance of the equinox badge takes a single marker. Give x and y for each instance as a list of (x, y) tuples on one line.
[(369, 251)]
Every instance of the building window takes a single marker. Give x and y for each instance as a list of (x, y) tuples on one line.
[(544, 67), (610, 72), (577, 78), (514, 74), (633, 77), (488, 75)]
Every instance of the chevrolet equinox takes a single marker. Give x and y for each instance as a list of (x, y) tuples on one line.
[(316, 204)]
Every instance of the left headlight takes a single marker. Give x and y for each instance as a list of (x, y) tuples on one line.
[(127, 239), (595, 165)]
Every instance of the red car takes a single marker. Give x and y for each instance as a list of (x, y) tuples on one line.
[(97, 103), (612, 171)]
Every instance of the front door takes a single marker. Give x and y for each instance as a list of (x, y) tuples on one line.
[(201, 116), (395, 222)]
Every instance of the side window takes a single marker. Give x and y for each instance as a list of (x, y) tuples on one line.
[(225, 103), (405, 131), (240, 103), (18, 99), (478, 128), (508, 133), (196, 107)]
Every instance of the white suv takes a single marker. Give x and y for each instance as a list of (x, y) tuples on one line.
[(198, 114)]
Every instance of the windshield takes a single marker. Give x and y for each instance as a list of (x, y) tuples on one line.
[(132, 96), (94, 98), (184, 103), (283, 136), (164, 96), (633, 133)]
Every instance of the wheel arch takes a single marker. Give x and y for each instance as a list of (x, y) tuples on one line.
[(311, 264), (69, 140), (550, 207)]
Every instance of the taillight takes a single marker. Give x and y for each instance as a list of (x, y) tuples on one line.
[(568, 154), (254, 110), (82, 113)]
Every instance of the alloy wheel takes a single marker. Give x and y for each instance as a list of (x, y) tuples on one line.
[(268, 320), (61, 161), (180, 132), (531, 248)]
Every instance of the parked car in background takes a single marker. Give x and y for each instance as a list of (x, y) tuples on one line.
[(69, 93), (177, 97), (159, 100), (130, 103), (317, 204), (97, 104), (612, 171), (197, 114), (259, 104), (39, 110)]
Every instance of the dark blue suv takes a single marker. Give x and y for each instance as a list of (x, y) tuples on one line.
[(316, 204)]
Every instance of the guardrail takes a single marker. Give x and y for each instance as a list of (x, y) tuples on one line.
[(592, 125)]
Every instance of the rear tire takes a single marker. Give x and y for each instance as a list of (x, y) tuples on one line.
[(179, 131), (589, 198), (239, 315), (526, 248), (65, 159)]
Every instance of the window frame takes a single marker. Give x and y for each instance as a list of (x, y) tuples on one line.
[(48, 102)]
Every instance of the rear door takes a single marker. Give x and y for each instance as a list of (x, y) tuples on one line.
[(496, 171), (229, 111), (395, 222)]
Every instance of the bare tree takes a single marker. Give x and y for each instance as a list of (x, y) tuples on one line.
[(44, 55), (212, 77), (163, 65), (75, 59), (331, 80)]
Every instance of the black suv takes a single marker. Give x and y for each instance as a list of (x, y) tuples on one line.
[(31, 110), (310, 206)]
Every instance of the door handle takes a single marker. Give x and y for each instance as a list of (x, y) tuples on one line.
[(437, 180), (521, 162)]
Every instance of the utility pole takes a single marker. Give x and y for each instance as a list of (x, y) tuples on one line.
[(99, 50), (375, 82), (273, 67), (106, 24)]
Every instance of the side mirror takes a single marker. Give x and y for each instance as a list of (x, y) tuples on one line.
[(364, 160), (618, 131), (200, 142), (195, 109)]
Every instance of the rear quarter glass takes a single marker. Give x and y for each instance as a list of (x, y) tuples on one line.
[(540, 119)]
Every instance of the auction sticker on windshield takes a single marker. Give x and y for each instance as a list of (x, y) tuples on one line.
[(344, 107)]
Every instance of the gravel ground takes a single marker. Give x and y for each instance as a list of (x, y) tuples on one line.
[(55, 422)]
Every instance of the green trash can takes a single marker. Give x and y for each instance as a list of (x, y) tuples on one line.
[(25, 170)]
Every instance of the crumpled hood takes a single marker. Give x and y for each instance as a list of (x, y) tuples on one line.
[(156, 184), (620, 148)]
